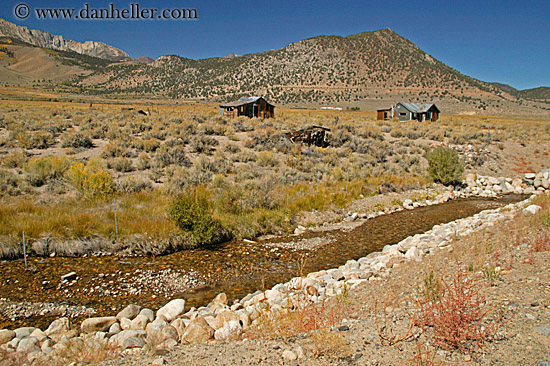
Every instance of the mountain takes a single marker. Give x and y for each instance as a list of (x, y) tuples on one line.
[(369, 70), (541, 93), (44, 39)]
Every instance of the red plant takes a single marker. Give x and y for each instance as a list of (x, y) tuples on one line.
[(541, 243), (460, 318)]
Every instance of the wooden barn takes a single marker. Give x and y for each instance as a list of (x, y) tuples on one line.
[(410, 112), (248, 106)]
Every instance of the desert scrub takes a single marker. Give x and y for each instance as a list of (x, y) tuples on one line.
[(76, 140), (39, 170), (445, 165), (9, 183), (191, 211), (90, 179), (133, 184), (16, 159)]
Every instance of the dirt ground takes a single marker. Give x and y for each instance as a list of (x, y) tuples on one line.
[(508, 264)]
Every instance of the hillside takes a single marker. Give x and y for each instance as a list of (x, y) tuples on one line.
[(24, 64), (369, 70), (540, 94)]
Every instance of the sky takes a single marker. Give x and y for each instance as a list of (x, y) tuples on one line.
[(504, 41)]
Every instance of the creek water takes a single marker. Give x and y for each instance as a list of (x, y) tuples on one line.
[(109, 283)]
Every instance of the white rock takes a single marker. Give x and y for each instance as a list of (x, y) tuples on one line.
[(101, 324), (139, 322), (148, 313), (172, 310), (289, 355), (6, 336), (58, 328), (231, 329), (28, 345), (130, 312), (125, 323), (531, 210), (24, 332), (414, 254)]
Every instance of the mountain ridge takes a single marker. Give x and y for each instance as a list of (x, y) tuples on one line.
[(45, 39)]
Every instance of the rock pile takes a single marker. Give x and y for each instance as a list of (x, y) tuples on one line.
[(136, 327)]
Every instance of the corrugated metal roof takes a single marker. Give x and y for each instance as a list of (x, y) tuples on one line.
[(417, 108), (243, 101)]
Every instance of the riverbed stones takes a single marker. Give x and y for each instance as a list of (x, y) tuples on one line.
[(198, 331), (148, 313), (101, 324), (172, 310), (130, 312)]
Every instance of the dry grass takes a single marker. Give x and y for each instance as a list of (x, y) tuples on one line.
[(143, 160)]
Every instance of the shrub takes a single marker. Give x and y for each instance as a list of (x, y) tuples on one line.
[(41, 169), (121, 164), (35, 140), (191, 211), (459, 316), (133, 184), (77, 140), (15, 160), (445, 165), (8, 183), (90, 180)]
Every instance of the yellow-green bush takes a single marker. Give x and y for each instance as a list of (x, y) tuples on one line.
[(90, 180)]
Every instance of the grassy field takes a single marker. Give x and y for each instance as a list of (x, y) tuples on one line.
[(62, 165)]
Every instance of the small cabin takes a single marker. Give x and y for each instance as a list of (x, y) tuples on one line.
[(249, 107), (410, 112)]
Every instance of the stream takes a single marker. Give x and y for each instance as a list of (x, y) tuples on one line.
[(109, 283)]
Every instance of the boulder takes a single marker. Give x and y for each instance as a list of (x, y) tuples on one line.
[(133, 342), (6, 335), (221, 298), (180, 325), (115, 328), (223, 317), (413, 253), (198, 331), (39, 334), (130, 312), (125, 323), (24, 332), (148, 313), (101, 324), (28, 345), (231, 329), (139, 322), (172, 310), (58, 328), (168, 332), (118, 339)]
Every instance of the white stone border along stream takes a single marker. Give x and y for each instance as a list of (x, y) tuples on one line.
[(135, 328)]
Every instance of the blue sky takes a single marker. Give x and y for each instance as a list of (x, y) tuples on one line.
[(505, 41)]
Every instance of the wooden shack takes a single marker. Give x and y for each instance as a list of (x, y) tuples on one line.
[(248, 106)]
